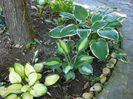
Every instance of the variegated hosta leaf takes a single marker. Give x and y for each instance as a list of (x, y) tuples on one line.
[(67, 68), (14, 77), (114, 24), (59, 48), (70, 75), (32, 78), (71, 44), (38, 67), (85, 69), (27, 95), (64, 46), (11, 96), (38, 90), (67, 15), (25, 88), (53, 63), (96, 17), (110, 18), (86, 58), (55, 33), (82, 45), (100, 48), (51, 79), (83, 33), (4, 91), (19, 68), (98, 25), (69, 30), (14, 88), (29, 69), (109, 34), (83, 24), (80, 12)]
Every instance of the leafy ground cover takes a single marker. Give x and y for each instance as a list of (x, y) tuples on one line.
[(80, 46)]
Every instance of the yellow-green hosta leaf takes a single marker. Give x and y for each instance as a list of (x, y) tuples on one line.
[(11, 96), (32, 78), (59, 48), (39, 76), (100, 48), (86, 69), (27, 95), (4, 91), (38, 67), (38, 90), (53, 61), (25, 88), (82, 45), (14, 88), (19, 68), (80, 12), (14, 77), (86, 58), (29, 69), (64, 46), (51, 79)]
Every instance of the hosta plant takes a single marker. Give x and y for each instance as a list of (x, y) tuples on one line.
[(100, 28), (71, 62), (25, 81)]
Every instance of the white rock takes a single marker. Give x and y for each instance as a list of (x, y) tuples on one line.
[(79, 98), (96, 87), (106, 71), (113, 60), (87, 95), (113, 55), (110, 65), (103, 79)]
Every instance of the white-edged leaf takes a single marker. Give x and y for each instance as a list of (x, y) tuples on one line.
[(67, 15), (29, 69), (85, 69), (59, 48), (82, 45), (27, 95), (14, 88), (51, 79), (80, 12), (64, 46), (114, 24), (38, 67), (67, 68), (96, 17), (98, 25), (100, 48), (109, 34), (32, 78), (38, 90), (83, 33), (19, 68), (14, 77)]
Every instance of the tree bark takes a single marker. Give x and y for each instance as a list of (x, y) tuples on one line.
[(18, 21)]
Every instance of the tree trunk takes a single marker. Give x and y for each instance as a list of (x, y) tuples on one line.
[(18, 20)]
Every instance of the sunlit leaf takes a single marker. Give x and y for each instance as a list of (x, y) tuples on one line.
[(19, 69), (29, 69)]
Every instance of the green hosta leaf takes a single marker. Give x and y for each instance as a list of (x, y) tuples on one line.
[(83, 24), (67, 15), (96, 17), (109, 18), (19, 69), (86, 58), (25, 88), (26, 79), (51, 79), (69, 30), (100, 49), (27, 95), (55, 33), (67, 68), (114, 24), (38, 90), (14, 88), (64, 46), (82, 45), (12, 96), (14, 77), (109, 34), (4, 91), (80, 12), (38, 67), (71, 44), (29, 69), (98, 25), (59, 48), (70, 75), (32, 78), (53, 61), (83, 33), (1, 84), (86, 69), (122, 58)]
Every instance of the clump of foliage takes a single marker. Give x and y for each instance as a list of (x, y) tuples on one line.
[(60, 5), (98, 27), (25, 80), (80, 61)]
